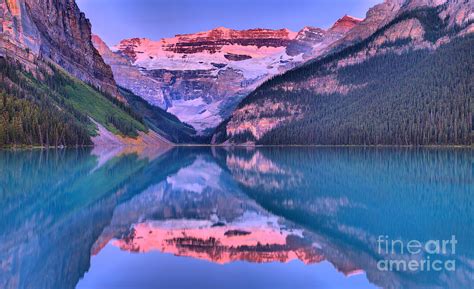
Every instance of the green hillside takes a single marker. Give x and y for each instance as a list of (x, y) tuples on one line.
[(47, 107)]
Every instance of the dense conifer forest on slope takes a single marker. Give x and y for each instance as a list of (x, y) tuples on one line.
[(56, 110), (418, 98)]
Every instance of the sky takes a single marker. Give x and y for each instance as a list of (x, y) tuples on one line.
[(114, 20)]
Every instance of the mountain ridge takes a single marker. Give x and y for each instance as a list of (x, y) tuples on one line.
[(289, 99), (200, 77)]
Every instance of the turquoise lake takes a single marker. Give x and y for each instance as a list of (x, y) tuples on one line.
[(234, 218)]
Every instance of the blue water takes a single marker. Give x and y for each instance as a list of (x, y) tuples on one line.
[(232, 218)]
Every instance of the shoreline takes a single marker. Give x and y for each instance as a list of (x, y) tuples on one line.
[(322, 146), (20, 148)]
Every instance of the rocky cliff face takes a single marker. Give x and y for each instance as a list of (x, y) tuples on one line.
[(55, 30), (312, 42), (393, 27), (124, 73), (376, 17), (201, 77), (455, 12)]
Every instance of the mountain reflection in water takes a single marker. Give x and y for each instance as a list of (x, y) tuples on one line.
[(237, 218)]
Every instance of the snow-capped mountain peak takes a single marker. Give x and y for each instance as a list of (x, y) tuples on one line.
[(202, 76)]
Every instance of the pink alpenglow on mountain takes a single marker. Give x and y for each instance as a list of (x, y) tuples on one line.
[(201, 77)]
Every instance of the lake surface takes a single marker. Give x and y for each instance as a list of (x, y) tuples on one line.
[(237, 218)]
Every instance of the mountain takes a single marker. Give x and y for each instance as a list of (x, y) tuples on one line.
[(56, 30), (403, 76), (201, 77), (55, 88), (313, 42)]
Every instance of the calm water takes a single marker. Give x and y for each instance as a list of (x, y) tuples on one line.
[(215, 218)]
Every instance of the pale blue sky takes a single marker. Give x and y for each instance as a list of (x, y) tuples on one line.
[(114, 20)]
